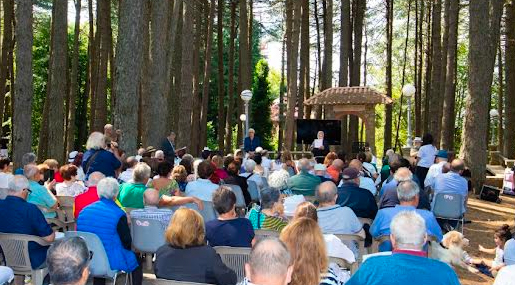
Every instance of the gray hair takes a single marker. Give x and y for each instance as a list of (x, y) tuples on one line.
[(269, 196), (96, 141), (28, 158), (18, 183), (95, 177), (393, 157), (151, 197), (30, 170), (108, 188), (269, 257), (67, 258), (403, 174), (279, 179), (141, 172), (407, 191), (326, 192), (250, 165), (409, 230), (304, 165), (159, 154)]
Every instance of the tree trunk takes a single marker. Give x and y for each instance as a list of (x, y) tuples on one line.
[(445, 48), (93, 64), (304, 90), (282, 87), (102, 41), (420, 65), (7, 49), (145, 102), (128, 73), (74, 86), (389, 38), (221, 77), (58, 82), (509, 133), (500, 99), (174, 61), (327, 63), (195, 125), (245, 76), (345, 50), (207, 75), (448, 118), (158, 110), (184, 127), (427, 81), (435, 98), (230, 84), (23, 88), (484, 32), (318, 109)]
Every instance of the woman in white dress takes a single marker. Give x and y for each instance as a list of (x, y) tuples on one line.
[(70, 186), (425, 157)]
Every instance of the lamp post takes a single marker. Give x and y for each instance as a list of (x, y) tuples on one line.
[(408, 91), (246, 96), (494, 114), (243, 118)]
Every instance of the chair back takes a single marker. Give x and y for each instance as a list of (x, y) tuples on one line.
[(3, 193), (208, 213), (234, 258), (447, 205), (342, 263), (99, 265), (265, 182), (240, 200), (128, 210), (66, 205), (365, 221), (262, 234), (253, 190), (15, 248), (147, 235), (158, 281), (346, 238)]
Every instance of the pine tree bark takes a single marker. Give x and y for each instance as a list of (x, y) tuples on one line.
[(195, 125), (74, 83), (58, 82), (23, 85), (448, 118), (93, 64), (158, 109), (304, 90), (345, 54), (128, 72), (509, 133), (445, 48), (327, 63), (7, 49), (500, 99), (419, 63), (388, 108), (484, 32), (207, 75), (435, 98), (102, 41), (145, 101), (184, 127), (428, 65), (221, 77), (174, 59), (230, 84)]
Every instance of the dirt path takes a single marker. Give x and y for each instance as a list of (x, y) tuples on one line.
[(486, 217)]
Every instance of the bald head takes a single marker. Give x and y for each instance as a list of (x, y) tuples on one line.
[(326, 193), (457, 166), (269, 263), (338, 164), (95, 177), (151, 197), (403, 174), (355, 163)]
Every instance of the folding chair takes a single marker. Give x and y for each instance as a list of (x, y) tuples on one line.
[(158, 281), (235, 258), (448, 206), (240, 200), (15, 248), (66, 205), (342, 263), (346, 238), (147, 237), (99, 266), (262, 234), (208, 213), (253, 190), (265, 182), (365, 221)]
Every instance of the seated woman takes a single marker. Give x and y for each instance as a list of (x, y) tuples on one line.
[(41, 195), (164, 184), (228, 229), (233, 169), (69, 186), (220, 173), (305, 242), (180, 175), (270, 215), (186, 257), (114, 232)]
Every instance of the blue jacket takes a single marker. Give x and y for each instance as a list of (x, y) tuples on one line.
[(250, 145), (101, 218)]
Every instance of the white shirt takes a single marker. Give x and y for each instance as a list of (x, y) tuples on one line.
[(434, 170), (427, 154), (73, 189), (126, 176), (4, 180), (336, 248), (505, 276), (266, 163)]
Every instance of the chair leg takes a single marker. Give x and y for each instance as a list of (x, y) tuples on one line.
[(38, 276), (148, 261)]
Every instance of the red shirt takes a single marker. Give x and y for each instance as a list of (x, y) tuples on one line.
[(84, 199), (334, 173), (58, 178)]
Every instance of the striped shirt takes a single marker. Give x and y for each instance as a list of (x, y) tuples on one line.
[(153, 213)]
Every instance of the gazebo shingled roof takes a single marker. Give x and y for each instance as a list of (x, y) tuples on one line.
[(348, 95)]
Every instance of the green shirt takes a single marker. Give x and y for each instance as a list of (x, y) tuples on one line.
[(131, 195), (303, 184)]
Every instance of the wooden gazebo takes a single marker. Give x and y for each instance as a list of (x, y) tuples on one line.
[(358, 101)]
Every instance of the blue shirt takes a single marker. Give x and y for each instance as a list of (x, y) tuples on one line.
[(403, 269), (202, 189), (451, 183), (20, 217), (104, 162), (41, 197), (381, 224), (250, 145), (236, 232), (338, 220)]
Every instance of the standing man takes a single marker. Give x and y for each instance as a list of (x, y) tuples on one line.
[(251, 142), (168, 147)]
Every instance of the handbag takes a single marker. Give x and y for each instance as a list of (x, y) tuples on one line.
[(490, 193)]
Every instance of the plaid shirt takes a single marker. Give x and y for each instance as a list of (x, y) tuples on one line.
[(153, 213)]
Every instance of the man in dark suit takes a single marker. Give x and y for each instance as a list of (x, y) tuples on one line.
[(168, 147)]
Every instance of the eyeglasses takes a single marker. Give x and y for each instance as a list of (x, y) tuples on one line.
[(90, 255), (28, 190)]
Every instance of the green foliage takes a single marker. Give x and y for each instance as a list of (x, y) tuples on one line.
[(260, 104)]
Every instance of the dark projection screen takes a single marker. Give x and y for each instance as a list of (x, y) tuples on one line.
[(307, 130)]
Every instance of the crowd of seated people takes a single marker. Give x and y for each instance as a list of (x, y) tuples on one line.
[(345, 189)]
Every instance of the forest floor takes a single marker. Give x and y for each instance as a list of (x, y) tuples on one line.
[(486, 217)]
